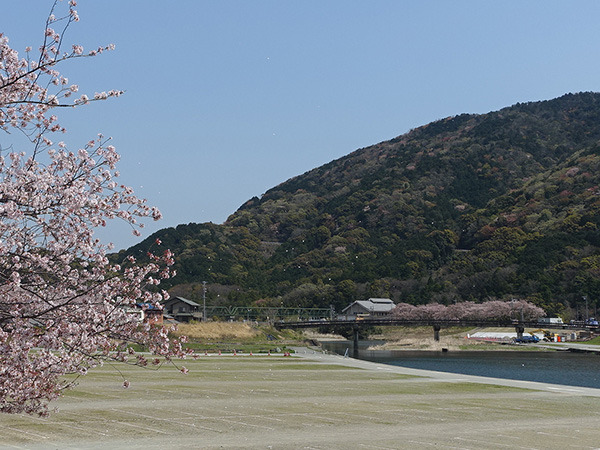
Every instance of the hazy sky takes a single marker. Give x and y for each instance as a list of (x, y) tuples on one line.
[(226, 99)]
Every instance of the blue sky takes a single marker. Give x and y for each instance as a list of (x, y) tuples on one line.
[(226, 99)]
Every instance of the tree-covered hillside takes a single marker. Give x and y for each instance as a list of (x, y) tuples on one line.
[(472, 207)]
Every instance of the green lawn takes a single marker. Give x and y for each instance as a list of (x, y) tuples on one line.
[(288, 402)]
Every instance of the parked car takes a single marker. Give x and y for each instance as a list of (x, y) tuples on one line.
[(526, 339)]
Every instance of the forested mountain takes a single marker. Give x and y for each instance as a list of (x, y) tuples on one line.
[(471, 207)]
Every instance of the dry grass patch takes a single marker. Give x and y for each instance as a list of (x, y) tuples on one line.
[(290, 403), (217, 330)]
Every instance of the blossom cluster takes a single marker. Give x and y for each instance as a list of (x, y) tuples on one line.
[(30, 87), (63, 304), (489, 310)]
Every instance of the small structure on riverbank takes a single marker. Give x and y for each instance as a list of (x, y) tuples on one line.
[(182, 309), (373, 307), (145, 312)]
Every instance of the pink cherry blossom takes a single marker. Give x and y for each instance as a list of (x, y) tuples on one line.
[(64, 306), (488, 310)]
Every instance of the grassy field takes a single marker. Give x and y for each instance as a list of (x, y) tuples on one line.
[(289, 403), (594, 341), (228, 337)]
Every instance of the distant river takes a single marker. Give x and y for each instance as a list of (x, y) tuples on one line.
[(560, 367)]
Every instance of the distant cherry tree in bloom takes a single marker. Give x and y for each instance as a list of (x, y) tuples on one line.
[(63, 305), (490, 310)]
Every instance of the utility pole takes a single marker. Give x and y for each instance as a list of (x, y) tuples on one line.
[(204, 301)]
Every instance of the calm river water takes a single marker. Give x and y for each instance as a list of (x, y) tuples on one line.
[(573, 369)]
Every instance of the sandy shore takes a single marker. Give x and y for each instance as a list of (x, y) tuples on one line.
[(311, 401)]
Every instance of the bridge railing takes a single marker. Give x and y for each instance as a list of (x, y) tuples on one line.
[(374, 321), (258, 313)]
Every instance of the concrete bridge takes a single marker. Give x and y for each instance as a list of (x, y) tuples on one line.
[(437, 325)]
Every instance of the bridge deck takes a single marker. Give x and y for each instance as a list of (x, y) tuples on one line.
[(374, 321)]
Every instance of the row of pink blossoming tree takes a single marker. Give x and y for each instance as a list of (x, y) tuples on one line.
[(487, 311), (63, 305)]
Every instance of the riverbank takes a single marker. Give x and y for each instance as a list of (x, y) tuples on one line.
[(450, 339), (227, 337), (329, 358), (311, 400)]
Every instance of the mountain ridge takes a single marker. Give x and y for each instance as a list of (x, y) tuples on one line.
[(450, 211)]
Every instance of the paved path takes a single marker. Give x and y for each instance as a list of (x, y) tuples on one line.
[(328, 358)]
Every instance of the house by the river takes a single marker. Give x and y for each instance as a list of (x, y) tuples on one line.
[(182, 309), (373, 307)]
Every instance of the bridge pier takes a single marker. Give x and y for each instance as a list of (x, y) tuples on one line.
[(436, 333), (355, 349)]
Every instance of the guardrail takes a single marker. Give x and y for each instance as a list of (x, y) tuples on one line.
[(267, 313), (433, 322)]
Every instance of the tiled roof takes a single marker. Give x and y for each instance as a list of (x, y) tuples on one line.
[(375, 305), (184, 300)]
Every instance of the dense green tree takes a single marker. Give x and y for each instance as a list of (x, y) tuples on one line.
[(466, 208)]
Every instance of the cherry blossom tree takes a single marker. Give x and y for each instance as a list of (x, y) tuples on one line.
[(490, 310), (405, 311), (64, 308)]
